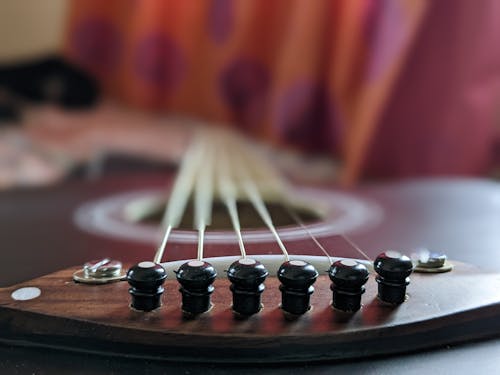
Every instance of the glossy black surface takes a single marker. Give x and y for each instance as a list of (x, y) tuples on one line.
[(196, 278), (393, 270), (247, 278), (196, 275), (297, 274), (146, 280), (296, 287), (247, 275), (348, 278)]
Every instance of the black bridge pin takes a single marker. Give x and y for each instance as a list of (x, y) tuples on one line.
[(196, 278), (247, 278), (146, 285), (393, 271), (297, 278), (348, 279)]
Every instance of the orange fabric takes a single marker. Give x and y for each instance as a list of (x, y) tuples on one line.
[(314, 74)]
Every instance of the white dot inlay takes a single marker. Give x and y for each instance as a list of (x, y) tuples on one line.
[(146, 264), (299, 263), (393, 254), (25, 294), (196, 263), (247, 261), (349, 262)]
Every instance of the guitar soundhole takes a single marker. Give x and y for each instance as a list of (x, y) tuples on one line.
[(136, 215), (249, 217)]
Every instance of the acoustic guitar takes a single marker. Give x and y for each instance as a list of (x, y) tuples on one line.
[(270, 272)]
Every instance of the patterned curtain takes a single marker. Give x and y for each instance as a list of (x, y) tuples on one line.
[(320, 75)]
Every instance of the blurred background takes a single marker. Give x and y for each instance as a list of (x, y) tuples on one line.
[(347, 90)]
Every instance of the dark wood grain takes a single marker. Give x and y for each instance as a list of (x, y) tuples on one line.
[(441, 309)]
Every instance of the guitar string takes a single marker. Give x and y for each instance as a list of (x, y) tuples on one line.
[(252, 191), (356, 247), (293, 214), (272, 174), (227, 193), (203, 194), (179, 195), (277, 184), (299, 221), (184, 184)]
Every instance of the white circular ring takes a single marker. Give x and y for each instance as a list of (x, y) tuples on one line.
[(106, 217)]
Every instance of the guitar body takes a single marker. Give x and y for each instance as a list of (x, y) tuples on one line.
[(441, 308)]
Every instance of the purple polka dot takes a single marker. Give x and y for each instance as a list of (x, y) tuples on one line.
[(386, 32), (160, 62), (244, 87), (97, 45), (305, 117), (220, 21), (370, 20)]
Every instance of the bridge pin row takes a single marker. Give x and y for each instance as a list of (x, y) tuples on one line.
[(247, 278)]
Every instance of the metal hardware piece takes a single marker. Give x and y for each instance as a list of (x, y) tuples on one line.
[(430, 262), (100, 272)]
